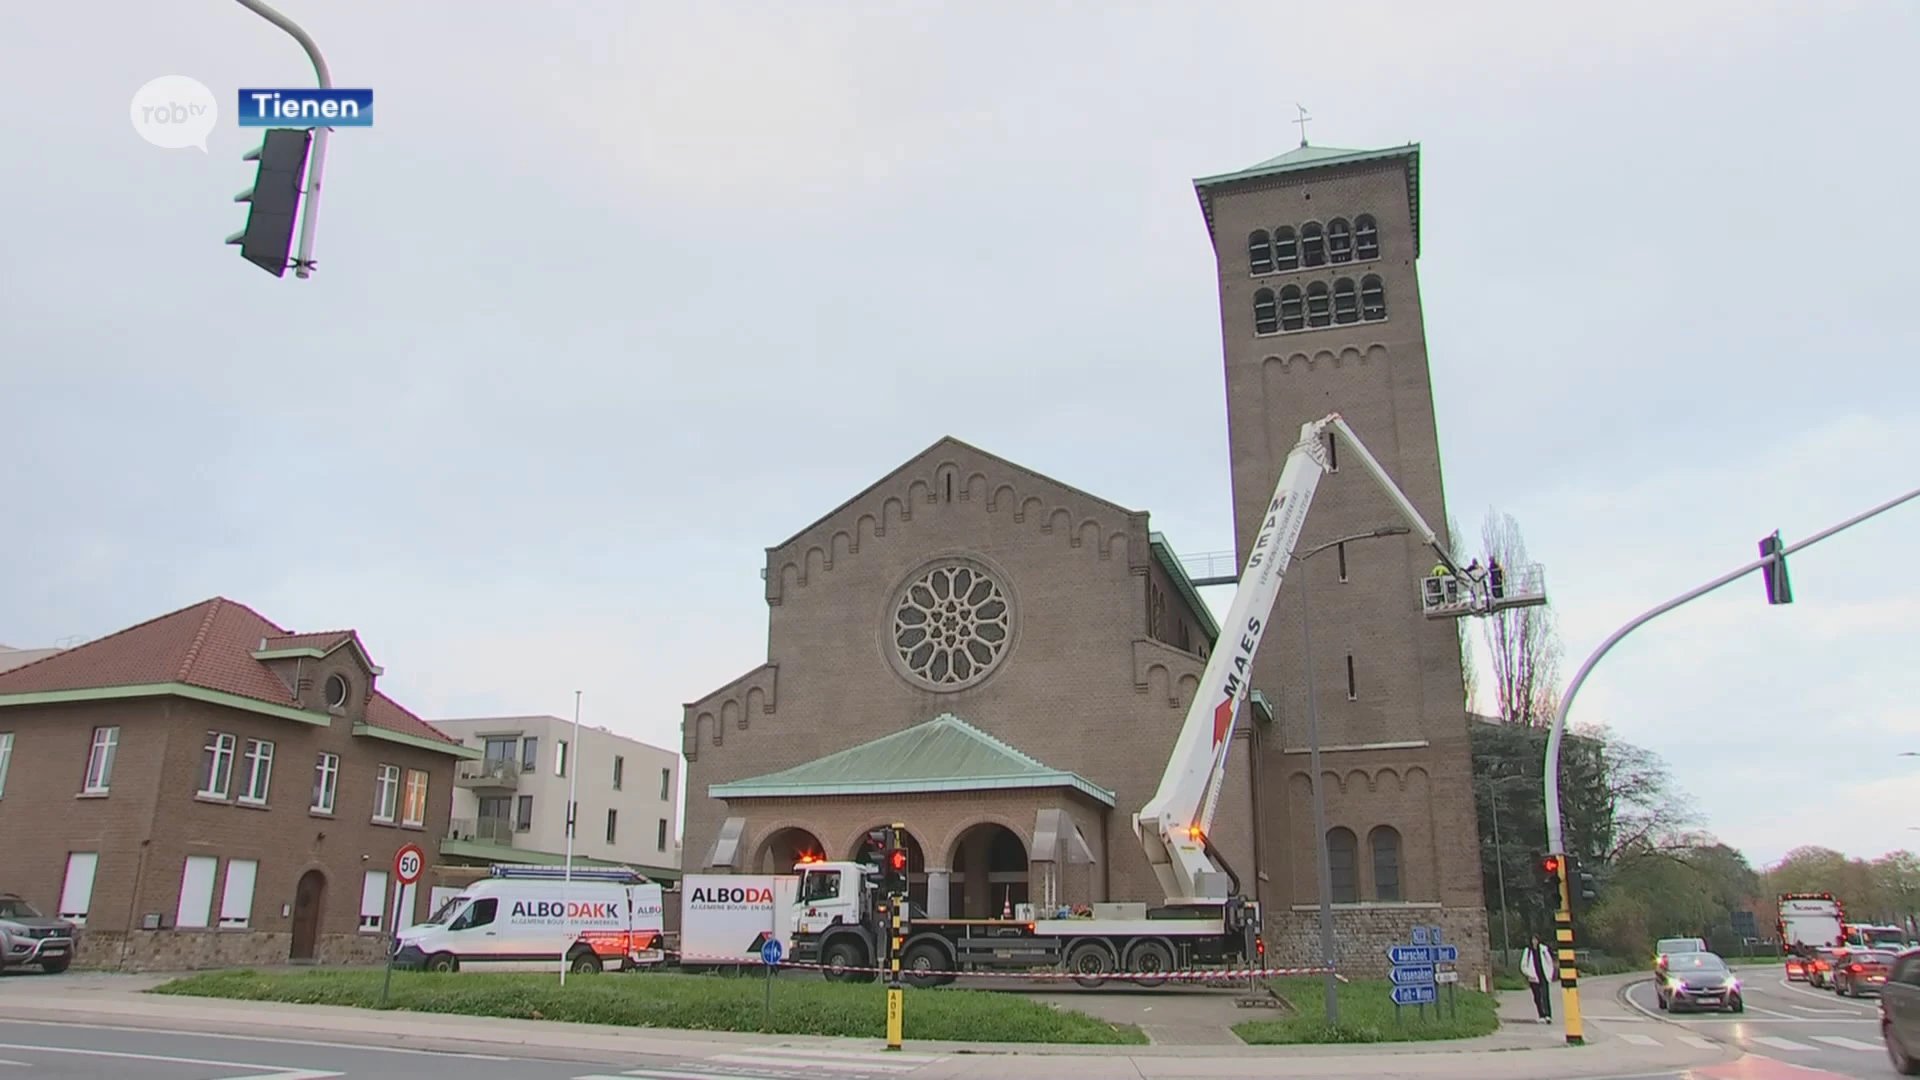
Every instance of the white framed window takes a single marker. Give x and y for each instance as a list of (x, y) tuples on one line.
[(259, 772), (100, 760), (6, 758), (326, 782), (196, 892), (413, 809), (216, 765), (76, 893), (236, 899), (559, 757), (386, 793), (373, 901)]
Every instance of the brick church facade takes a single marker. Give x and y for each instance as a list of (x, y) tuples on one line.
[(1002, 662)]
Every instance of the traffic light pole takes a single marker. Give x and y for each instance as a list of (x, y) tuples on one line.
[(897, 900), (317, 157), (1556, 844)]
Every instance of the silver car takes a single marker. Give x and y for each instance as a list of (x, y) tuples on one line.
[(28, 938)]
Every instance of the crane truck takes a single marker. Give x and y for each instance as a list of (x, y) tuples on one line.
[(1206, 922)]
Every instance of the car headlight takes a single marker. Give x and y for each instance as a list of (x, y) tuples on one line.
[(1733, 984), (1676, 984)]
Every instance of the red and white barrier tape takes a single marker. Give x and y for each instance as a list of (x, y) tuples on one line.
[(1196, 975)]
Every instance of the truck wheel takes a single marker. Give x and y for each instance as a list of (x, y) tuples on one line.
[(443, 962), (1090, 961), (924, 956), (54, 967), (585, 962), (1147, 957), (841, 956)]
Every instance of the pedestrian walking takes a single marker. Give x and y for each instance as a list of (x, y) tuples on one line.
[(1538, 966)]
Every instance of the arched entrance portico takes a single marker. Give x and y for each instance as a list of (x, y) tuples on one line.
[(784, 847), (916, 866), (989, 872)]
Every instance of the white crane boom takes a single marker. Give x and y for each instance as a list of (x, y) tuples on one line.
[(1173, 825)]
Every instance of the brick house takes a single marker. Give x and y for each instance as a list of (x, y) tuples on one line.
[(208, 789), (1002, 662)]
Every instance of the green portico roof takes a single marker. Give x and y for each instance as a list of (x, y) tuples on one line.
[(943, 754), (1306, 158)]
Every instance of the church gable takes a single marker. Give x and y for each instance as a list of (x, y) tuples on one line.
[(951, 471)]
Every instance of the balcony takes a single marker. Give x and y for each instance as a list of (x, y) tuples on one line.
[(492, 774), (484, 830)]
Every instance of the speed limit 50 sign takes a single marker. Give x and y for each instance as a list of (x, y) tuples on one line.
[(407, 864)]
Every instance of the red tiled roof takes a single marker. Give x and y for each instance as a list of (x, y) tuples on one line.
[(209, 645)]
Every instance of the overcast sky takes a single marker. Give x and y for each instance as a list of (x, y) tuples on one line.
[(612, 296)]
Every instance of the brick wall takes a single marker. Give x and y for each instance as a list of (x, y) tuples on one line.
[(1362, 933)]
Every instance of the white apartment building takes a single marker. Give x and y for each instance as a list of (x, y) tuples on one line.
[(515, 796)]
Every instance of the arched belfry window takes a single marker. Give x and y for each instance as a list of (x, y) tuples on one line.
[(1319, 306), (1286, 249), (1346, 302), (1373, 298), (1266, 319), (1385, 843), (1293, 314), (1339, 240), (1343, 865), (1313, 245), (1366, 237), (1260, 252)]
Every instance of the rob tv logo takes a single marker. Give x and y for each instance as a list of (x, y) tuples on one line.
[(308, 108)]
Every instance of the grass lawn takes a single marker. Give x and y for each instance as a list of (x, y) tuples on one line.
[(1366, 1015), (689, 1002)]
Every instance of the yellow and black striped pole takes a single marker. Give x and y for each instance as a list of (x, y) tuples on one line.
[(896, 903), (1569, 972)]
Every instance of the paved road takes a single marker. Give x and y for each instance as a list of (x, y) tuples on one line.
[(50, 1051), (1787, 1022)]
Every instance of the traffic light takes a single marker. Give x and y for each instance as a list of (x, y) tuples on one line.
[(274, 198), (894, 871), (1779, 588), (877, 843), (1582, 889), (1550, 881)]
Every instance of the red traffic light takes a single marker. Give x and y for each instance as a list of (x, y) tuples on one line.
[(899, 859), (1550, 864)]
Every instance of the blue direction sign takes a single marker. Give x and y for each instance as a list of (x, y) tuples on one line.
[(772, 952), (1445, 954), (1416, 995), (1413, 975), (1409, 954), (1419, 935)]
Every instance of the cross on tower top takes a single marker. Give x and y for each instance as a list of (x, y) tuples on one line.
[(1302, 122)]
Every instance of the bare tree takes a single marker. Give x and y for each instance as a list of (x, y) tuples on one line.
[(1524, 645), (1469, 670)]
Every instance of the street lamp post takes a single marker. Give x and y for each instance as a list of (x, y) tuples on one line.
[(1499, 860), (1313, 754)]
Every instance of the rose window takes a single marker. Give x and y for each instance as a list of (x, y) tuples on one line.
[(951, 626)]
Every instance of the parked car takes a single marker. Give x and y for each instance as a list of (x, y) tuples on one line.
[(1698, 980), (1864, 971), (28, 938), (1900, 1013)]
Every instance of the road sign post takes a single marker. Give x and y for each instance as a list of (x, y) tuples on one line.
[(408, 863), (1415, 980), (771, 953)]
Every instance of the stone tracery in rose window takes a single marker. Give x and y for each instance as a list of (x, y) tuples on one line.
[(951, 626)]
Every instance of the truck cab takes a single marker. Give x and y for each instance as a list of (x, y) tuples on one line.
[(830, 893)]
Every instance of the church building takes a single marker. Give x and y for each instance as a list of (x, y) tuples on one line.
[(1002, 662)]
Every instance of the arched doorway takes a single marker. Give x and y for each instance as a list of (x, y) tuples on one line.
[(916, 868), (785, 847), (309, 900), (989, 872)]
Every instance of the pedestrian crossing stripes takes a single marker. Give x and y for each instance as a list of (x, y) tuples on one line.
[(1638, 1039), (1698, 1043), (1802, 1044), (1845, 1043), (782, 1063)]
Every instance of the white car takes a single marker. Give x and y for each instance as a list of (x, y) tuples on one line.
[(528, 918)]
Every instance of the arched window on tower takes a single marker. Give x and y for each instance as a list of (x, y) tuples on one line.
[(1319, 307), (1366, 237), (1266, 319), (1313, 245), (1339, 240), (1286, 249), (1373, 298), (1385, 842), (1260, 252), (1346, 302), (1343, 865), (1293, 314)]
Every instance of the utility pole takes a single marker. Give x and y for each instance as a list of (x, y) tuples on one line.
[(1773, 559)]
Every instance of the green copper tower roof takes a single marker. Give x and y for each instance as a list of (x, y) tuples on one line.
[(943, 754), (1307, 158)]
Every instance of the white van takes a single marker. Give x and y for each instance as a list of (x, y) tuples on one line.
[(525, 918)]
